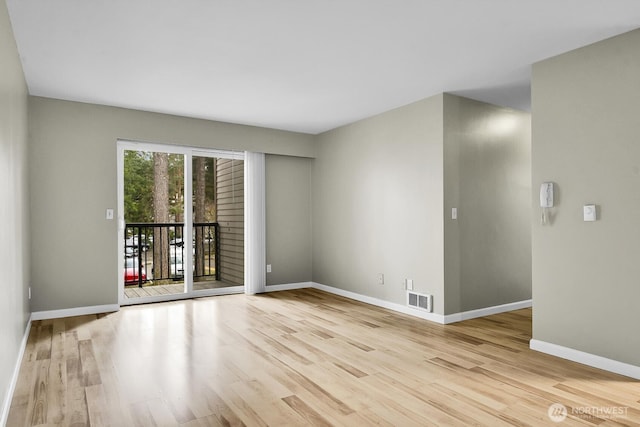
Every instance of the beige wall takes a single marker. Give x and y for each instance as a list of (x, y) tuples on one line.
[(288, 219), (586, 139), (383, 189), (487, 177), (73, 180), (377, 204), (14, 210)]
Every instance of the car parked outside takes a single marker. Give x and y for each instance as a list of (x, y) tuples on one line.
[(132, 271), (131, 245), (176, 269)]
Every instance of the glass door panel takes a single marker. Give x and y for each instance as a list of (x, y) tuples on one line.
[(218, 222), (154, 235)]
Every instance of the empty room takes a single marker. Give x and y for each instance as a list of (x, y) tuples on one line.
[(420, 213)]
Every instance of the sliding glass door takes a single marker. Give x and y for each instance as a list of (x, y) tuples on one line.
[(166, 250)]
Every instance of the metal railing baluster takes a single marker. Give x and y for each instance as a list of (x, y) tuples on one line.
[(148, 235)]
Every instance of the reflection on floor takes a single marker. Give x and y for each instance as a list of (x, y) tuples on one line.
[(178, 288)]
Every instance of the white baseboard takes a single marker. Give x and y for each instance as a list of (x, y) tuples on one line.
[(433, 317), (6, 405), (487, 311), (586, 358), (438, 318), (77, 311), (288, 286)]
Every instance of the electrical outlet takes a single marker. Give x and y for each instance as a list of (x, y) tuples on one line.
[(268, 268), (380, 278)]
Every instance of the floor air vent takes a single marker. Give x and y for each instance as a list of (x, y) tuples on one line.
[(419, 301)]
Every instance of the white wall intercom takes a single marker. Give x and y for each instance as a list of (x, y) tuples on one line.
[(546, 201), (546, 195)]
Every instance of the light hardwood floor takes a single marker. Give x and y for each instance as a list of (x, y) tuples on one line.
[(301, 358)]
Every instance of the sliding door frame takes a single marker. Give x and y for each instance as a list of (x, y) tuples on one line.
[(188, 153)]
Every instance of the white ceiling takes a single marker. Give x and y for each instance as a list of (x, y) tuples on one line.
[(300, 65)]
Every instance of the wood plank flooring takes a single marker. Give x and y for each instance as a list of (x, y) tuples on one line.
[(299, 358)]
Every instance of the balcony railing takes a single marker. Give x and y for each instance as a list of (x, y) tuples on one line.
[(154, 253)]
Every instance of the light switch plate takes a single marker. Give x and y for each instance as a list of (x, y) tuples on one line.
[(109, 214), (409, 284), (454, 213), (589, 212)]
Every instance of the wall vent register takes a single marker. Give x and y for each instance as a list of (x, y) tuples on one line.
[(420, 301)]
